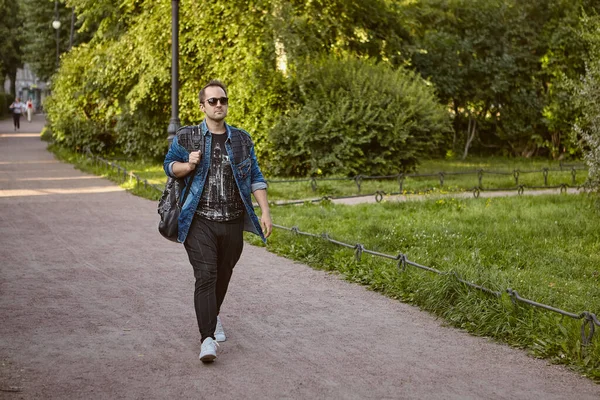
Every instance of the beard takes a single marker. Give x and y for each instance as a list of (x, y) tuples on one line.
[(218, 117)]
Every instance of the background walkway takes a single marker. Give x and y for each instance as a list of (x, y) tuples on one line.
[(95, 304)]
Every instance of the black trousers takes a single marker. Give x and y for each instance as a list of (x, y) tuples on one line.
[(17, 120), (213, 249)]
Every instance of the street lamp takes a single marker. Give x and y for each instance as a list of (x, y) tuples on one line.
[(174, 123), (56, 25), (72, 28)]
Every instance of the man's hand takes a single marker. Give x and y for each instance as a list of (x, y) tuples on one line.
[(181, 169), (265, 215), (194, 159), (267, 224)]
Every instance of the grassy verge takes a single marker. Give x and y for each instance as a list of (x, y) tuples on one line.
[(145, 170), (153, 172), (547, 248)]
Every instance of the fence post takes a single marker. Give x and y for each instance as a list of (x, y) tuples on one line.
[(400, 182), (358, 180)]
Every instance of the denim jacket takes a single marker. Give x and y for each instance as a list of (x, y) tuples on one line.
[(246, 172)]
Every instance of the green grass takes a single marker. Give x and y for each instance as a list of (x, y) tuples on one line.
[(545, 247), (145, 170), (531, 175)]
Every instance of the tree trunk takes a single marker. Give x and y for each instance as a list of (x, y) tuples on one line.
[(456, 124), (12, 75), (471, 131)]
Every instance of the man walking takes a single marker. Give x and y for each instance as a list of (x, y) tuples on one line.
[(221, 170), (17, 108)]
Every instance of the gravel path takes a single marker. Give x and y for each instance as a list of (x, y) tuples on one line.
[(94, 304)]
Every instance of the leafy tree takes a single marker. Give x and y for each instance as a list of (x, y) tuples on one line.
[(369, 29), (587, 98), (120, 103), (481, 55), (561, 65), (357, 117), (501, 65), (10, 45), (39, 37), (588, 127)]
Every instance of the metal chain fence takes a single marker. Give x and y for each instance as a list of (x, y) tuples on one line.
[(590, 321), (479, 173)]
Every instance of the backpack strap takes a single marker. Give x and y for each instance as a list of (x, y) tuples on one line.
[(198, 143), (197, 139)]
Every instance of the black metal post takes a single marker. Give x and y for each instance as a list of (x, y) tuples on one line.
[(72, 28), (57, 33), (174, 123), (57, 48)]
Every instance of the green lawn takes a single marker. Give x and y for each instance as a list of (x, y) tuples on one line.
[(498, 174), (545, 247)]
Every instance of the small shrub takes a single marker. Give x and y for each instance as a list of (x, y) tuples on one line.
[(357, 117)]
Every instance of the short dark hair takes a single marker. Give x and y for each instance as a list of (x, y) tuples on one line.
[(213, 82)]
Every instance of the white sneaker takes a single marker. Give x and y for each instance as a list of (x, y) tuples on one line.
[(219, 332), (208, 350)]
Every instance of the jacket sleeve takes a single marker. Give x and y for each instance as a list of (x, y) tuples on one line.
[(257, 180), (176, 153)]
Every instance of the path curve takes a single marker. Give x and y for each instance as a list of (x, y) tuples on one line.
[(94, 304)]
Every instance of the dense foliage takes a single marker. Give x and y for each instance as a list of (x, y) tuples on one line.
[(588, 99), (502, 67), (113, 94), (356, 117), (503, 70), (10, 43), (122, 103), (38, 37)]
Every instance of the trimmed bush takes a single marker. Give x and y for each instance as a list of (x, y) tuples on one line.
[(357, 117)]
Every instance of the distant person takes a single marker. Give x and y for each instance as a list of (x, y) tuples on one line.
[(18, 108), (29, 109), (223, 171)]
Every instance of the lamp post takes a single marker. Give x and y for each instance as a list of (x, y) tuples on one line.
[(174, 123), (72, 28), (56, 26)]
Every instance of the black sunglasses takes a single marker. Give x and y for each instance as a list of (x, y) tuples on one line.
[(213, 101)]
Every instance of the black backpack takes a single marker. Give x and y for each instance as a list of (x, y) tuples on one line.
[(169, 204)]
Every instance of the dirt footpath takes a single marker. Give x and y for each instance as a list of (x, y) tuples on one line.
[(94, 304), (461, 195)]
